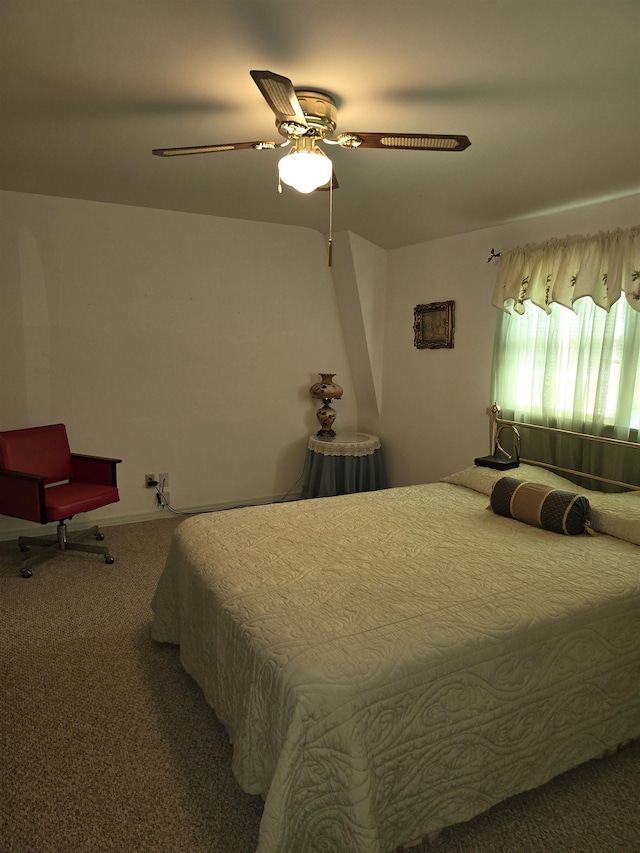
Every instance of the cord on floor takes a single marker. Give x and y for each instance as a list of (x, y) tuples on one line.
[(163, 503)]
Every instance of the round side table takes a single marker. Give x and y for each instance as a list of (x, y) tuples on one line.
[(350, 462)]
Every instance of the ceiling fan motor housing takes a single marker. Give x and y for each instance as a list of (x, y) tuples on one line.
[(319, 110)]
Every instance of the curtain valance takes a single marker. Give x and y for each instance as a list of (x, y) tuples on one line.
[(601, 266)]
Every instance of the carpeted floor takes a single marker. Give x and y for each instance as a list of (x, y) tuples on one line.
[(107, 745)]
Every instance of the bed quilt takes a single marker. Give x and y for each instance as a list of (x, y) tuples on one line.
[(390, 663)]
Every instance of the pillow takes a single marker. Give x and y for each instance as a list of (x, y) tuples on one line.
[(483, 479), (617, 514), (540, 505)]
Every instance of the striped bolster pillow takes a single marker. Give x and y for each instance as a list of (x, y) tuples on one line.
[(541, 506)]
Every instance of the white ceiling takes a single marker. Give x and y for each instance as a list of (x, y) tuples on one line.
[(547, 90)]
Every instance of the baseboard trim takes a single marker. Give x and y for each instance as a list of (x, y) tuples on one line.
[(27, 529)]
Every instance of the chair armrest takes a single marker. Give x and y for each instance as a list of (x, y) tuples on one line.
[(94, 469), (22, 496)]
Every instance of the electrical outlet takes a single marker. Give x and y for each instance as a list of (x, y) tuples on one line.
[(163, 481), (150, 480)]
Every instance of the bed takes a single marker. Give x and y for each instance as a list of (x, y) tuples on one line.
[(390, 663)]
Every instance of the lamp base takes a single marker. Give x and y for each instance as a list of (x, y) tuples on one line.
[(326, 416), (326, 433)]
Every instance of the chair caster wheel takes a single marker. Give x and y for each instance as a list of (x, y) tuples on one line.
[(26, 573), (99, 536), (109, 560), (24, 548)]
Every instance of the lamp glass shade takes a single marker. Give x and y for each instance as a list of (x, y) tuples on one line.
[(305, 171), (326, 389)]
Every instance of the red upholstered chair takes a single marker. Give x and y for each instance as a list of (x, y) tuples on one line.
[(42, 481)]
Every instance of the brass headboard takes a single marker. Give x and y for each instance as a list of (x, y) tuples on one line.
[(497, 422)]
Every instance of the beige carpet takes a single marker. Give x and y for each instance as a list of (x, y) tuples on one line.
[(107, 745)]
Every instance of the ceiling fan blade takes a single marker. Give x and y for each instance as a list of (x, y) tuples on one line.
[(415, 141), (210, 149), (279, 93), (330, 185)]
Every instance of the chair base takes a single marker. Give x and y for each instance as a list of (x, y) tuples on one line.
[(59, 542)]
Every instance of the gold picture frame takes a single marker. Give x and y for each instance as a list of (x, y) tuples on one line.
[(433, 325)]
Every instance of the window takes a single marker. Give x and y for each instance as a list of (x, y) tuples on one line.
[(580, 367), (567, 344)]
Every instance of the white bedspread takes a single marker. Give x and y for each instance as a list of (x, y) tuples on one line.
[(390, 663)]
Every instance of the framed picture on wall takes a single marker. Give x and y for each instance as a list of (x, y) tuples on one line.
[(433, 325)]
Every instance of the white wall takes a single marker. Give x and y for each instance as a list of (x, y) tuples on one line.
[(177, 342), (433, 417), (359, 277), (187, 343)]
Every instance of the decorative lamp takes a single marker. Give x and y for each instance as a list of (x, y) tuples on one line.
[(305, 167), (326, 390)]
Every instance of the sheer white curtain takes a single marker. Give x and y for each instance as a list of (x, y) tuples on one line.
[(567, 346), (577, 368)]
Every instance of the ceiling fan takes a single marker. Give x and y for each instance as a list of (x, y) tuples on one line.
[(306, 117)]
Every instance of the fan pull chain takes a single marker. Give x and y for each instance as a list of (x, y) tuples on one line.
[(330, 247)]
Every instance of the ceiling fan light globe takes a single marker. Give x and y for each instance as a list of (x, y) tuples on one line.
[(305, 171)]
